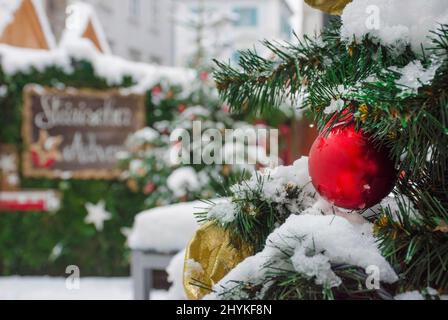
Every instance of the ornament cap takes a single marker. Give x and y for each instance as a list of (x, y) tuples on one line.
[(334, 7)]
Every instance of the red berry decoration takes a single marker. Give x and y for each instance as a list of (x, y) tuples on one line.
[(348, 170)]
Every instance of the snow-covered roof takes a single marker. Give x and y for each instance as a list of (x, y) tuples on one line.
[(81, 17), (112, 68), (8, 9)]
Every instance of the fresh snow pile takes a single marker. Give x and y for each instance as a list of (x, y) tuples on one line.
[(223, 212), (395, 23), (414, 75), (165, 229), (144, 136), (14, 60), (336, 105), (417, 295), (112, 68), (314, 242), (183, 180), (176, 275), (175, 272), (50, 288), (279, 183)]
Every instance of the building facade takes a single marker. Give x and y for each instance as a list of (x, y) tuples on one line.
[(159, 31), (244, 23), (137, 30)]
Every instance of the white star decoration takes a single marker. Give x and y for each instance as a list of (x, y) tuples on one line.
[(97, 214)]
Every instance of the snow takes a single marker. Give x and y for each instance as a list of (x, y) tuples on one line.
[(393, 204), (183, 180), (139, 139), (335, 106), (417, 295), (277, 182), (410, 295), (316, 234), (49, 288), (54, 288), (147, 134), (193, 267), (14, 60), (165, 229), (223, 212), (414, 75), (175, 272), (194, 112), (315, 242), (394, 23)]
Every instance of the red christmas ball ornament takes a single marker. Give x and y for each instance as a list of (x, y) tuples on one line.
[(348, 170)]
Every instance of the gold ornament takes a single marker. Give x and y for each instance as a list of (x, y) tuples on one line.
[(217, 252), (333, 7)]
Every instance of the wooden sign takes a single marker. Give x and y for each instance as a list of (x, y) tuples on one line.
[(77, 133)]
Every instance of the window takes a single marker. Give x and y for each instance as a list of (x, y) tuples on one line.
[(247, 17), (134, 8)]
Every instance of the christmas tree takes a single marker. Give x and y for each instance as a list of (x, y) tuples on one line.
[(152, 165), (327, 227)]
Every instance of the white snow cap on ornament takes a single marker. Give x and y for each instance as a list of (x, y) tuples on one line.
[(394, 23), (166, 229)]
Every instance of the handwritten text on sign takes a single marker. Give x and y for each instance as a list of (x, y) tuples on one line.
[(77, 133)]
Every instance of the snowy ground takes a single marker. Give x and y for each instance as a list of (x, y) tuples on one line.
[(46, 288)]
